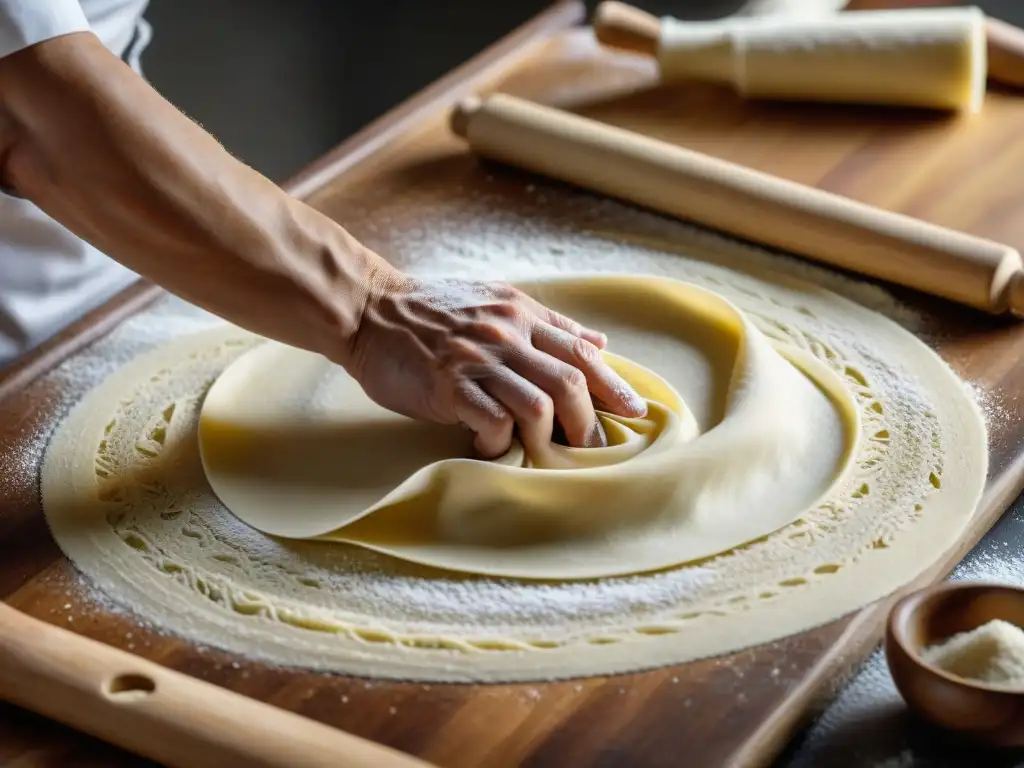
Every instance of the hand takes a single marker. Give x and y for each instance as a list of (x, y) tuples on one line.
[(488, 357)]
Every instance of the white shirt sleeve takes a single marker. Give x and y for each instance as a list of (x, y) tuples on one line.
[(27, 22)]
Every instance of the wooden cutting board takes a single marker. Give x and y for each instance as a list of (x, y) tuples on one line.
[(732, 711)]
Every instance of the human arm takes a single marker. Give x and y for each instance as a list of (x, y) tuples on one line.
[(98, 149)]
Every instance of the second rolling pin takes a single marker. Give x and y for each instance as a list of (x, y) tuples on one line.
[(743, 202), (922, 50)]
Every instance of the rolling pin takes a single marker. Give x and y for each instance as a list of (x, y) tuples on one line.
[(743, 202), (161, 714), (925, 57)]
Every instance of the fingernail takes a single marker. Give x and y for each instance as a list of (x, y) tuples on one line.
[(597, 437)]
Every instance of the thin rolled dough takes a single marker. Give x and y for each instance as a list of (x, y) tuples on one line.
[(741, 438)]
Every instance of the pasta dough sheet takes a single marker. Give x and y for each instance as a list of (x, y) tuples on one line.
[(742, 437)]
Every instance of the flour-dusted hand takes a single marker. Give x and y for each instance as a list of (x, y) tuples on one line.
[(489, 357)]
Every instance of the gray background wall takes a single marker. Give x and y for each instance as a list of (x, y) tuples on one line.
[(280, 82)]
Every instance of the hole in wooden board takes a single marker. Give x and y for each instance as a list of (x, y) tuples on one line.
[(129, 687)]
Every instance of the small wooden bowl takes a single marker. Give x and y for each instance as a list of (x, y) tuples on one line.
[(982, 712)]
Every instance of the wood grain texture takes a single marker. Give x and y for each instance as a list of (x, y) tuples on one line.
[(736, 710)]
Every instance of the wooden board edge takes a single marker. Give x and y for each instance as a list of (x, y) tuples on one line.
[(98, 322), (441, 93), (864, 632)]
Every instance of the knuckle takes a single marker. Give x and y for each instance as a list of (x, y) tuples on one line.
[(539, 406), (493, 415), (584, 351), (573, 381)]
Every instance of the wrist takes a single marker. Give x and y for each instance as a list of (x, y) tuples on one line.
[(350, 279)]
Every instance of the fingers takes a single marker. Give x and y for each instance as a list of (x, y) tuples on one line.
[(529, 405), (544, 369), (486, 417), (614, 394), (564, 323), (566, 386)]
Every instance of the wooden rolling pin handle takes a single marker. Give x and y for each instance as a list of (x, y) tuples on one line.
[(622, 26), (161, 714), (1005, 53), (743, 202), (1014, 294), (458, 119)]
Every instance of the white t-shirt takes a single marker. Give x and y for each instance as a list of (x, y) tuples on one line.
[(48, 277)]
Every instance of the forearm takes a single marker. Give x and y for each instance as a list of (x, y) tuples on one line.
[(104, 154)]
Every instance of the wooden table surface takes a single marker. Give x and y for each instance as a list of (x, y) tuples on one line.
[(967, 174)]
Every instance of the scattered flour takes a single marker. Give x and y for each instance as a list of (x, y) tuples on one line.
[(993, 408)]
